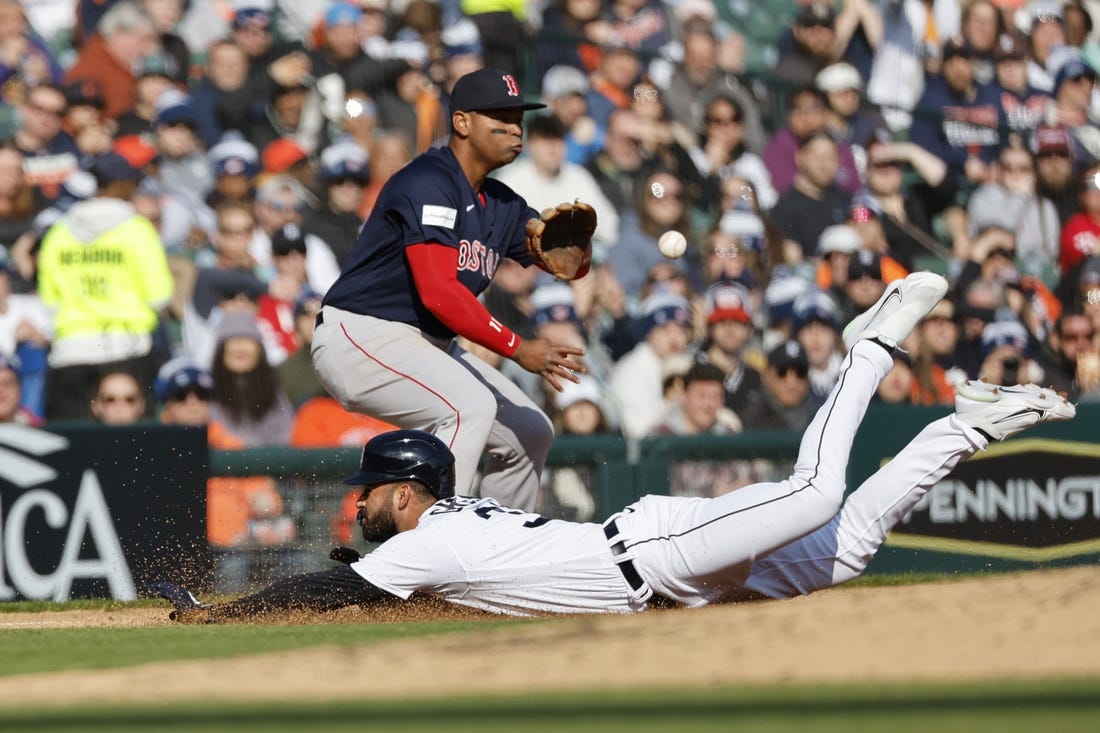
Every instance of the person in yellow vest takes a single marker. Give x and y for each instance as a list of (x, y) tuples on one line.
[(103, 272)]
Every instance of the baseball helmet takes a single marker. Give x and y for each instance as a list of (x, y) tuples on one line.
[(407, 454)]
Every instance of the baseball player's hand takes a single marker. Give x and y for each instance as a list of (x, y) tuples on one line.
[(553, 362)]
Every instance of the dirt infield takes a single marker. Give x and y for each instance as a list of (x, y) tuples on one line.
[(1032, 625)]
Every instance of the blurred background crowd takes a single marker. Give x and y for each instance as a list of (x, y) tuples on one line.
[(223, 155)]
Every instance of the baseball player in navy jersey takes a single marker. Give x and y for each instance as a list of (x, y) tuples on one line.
[(769, 540), (384, 343)]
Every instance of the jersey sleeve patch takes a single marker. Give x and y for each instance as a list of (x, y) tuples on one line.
[(438, 216)]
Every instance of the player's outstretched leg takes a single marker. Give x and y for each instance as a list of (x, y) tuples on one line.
[(841, 550), (691, 551)]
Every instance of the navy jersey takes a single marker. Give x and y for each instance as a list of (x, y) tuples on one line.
[(430, 200)]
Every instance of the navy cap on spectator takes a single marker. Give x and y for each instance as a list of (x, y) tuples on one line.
[(1073, 69), (111, 168), (817, 13), (234, 156), (342, 13), (156, 65), (814, 307), (865, 263), (252, 17), (1004, 333), (727, 301), (84, 92), (344, 161), (180, 377), (307, 303), (664, 307), (462, 39), (781, 292), (290, 238), (789, 355), (553, 303), (956, 46), (175, 108), (489, 89)]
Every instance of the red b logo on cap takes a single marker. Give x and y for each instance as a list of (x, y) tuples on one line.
[(513, 87)]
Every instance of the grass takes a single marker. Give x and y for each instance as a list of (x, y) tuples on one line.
[(1066, 706)]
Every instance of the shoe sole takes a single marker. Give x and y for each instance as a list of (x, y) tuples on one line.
[(895, 291), (1045, 404)]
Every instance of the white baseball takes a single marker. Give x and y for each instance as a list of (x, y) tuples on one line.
[(672, 244)]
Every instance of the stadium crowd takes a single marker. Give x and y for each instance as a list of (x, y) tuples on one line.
[(224, 155)]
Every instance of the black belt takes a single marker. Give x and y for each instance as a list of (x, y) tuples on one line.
[(626, 567), (319, 320)]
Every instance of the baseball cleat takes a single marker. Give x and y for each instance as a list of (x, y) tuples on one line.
[(182, 599), (1001, 412), (900, 308)]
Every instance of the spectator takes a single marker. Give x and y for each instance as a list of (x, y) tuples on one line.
[(183, 168), (242, 512), (665, 142), (565, 93), (911, 37), (906, 210), (836, 247), (784, 403), (616, 167), (125, 35), (571, 32), (641, 25), (865, 218), (235, 162), (296, 373), (388, 153), (343, 175), (275, 308), (636, 383), (153, 79), (729, 330), (1011, 202), (11, 409), (737, 250), (1006, 355), (578, 410), (226, 73), (248, 398), (279, 201), (545, 178), (978, 307), (49, 153), (900, 382), (1074, 352), (103, 272), (118, 399), (285, 156), (660, 206), (865, 282), (1055, 175), (1074, 82), (1045, 31), (166, 16), (1081, 234), (847, 121), (814, 48), (1024, 105), (721, 152), (464, 53), (618, 70), (815, 324), (699, 79), (26, 328), (939, 337), (701, 406), (815, 200), (982, 26), (958, 119), (25, 61), (806, 118), (17, 202)]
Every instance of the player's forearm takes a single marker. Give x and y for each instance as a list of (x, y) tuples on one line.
[(326, 590)]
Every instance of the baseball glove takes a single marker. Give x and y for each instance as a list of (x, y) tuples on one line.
[(560, 240)]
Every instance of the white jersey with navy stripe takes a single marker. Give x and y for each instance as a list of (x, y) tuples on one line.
[(477, 553)]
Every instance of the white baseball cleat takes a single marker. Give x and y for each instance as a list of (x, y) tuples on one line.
[(1001, 412), (902, 305)]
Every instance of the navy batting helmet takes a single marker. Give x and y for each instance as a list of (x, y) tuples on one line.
[(407, 454)]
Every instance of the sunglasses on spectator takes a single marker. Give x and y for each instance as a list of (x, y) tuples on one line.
[(723, 121), (1077, 336), (799, 371), (110, 399), (885, 164), (183, 393)]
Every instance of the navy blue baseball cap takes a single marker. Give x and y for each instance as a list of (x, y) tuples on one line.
[(489, 89)]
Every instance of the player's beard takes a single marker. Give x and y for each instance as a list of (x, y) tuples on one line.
[(377, 528)]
